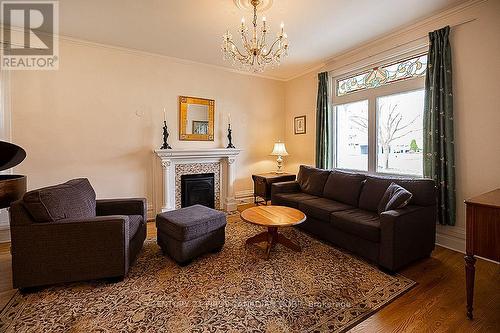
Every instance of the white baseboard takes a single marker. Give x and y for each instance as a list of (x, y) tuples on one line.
[(452, 238), (244, 197), (450, 242)]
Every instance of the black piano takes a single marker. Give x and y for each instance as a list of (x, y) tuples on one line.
[(12, 187)]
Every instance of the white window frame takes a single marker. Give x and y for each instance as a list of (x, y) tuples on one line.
[(371, 95)]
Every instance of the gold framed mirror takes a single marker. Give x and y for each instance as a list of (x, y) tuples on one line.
[(196, 119)]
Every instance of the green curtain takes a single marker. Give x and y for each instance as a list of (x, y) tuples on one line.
[(323, 124), (439, 155)]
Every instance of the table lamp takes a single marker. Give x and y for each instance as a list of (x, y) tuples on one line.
[(280, 151)]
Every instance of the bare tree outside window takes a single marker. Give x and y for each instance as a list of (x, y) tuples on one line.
[(399, 132), (392, 128)]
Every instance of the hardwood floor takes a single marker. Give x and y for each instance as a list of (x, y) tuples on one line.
[(436, 304), (6, 291)]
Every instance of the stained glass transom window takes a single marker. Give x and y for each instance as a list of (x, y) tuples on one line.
[(382, 75)]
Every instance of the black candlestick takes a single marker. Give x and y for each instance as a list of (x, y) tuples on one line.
[(165, 137), (230, 137)]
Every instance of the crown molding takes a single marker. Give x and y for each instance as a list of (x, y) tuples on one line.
[(409, 29), (315, 68), (415, 27), (83, 42)]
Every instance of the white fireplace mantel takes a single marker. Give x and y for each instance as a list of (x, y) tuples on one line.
[(225, 157)]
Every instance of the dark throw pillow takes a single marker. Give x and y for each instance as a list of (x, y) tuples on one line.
[(344, 187), (394, 197), (312, 180), (73, 199)]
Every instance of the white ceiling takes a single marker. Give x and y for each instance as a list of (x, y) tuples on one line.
[(192, 29)]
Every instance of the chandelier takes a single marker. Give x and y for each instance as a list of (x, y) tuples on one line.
[(256, 53)]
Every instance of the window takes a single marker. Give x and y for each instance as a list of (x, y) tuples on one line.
[(399, 133), (351, 135), (378, 118)]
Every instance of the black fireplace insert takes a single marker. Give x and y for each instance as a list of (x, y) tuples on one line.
[(198, 189)]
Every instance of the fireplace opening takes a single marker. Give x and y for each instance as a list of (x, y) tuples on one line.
[(198, 189)]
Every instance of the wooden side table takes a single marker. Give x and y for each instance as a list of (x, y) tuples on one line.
[(483, 236), (262, 185)]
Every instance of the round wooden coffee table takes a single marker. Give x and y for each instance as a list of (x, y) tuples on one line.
[(273, 217)]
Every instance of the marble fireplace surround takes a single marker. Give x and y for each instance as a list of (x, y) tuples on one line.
[(178, 162)]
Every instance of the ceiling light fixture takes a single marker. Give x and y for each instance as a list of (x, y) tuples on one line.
[(256, 53)]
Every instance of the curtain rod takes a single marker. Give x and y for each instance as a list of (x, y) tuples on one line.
[(414, 40), (463, 22)]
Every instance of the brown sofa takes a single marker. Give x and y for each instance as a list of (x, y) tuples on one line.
[(341, 207), (63, 234)]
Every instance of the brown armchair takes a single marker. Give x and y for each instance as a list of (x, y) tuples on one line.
[(63, 234)]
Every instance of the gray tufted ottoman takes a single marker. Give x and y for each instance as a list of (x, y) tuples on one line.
[(189, 232)]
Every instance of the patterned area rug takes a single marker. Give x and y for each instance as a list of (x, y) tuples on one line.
[(320, 289)]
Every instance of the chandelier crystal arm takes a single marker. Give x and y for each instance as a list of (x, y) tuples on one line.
[(238, 54), (263, 42), (271, 48), (244, 39), (234, 51)]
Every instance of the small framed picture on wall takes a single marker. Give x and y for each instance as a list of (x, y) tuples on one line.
[(299, 125)]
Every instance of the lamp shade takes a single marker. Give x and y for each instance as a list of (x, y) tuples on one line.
[(279, 149)]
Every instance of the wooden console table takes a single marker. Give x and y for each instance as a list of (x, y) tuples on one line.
[(483, 236), (262, 184)]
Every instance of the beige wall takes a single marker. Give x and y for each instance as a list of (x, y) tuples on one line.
[(476, 65), (100, 116), (300, 100)]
